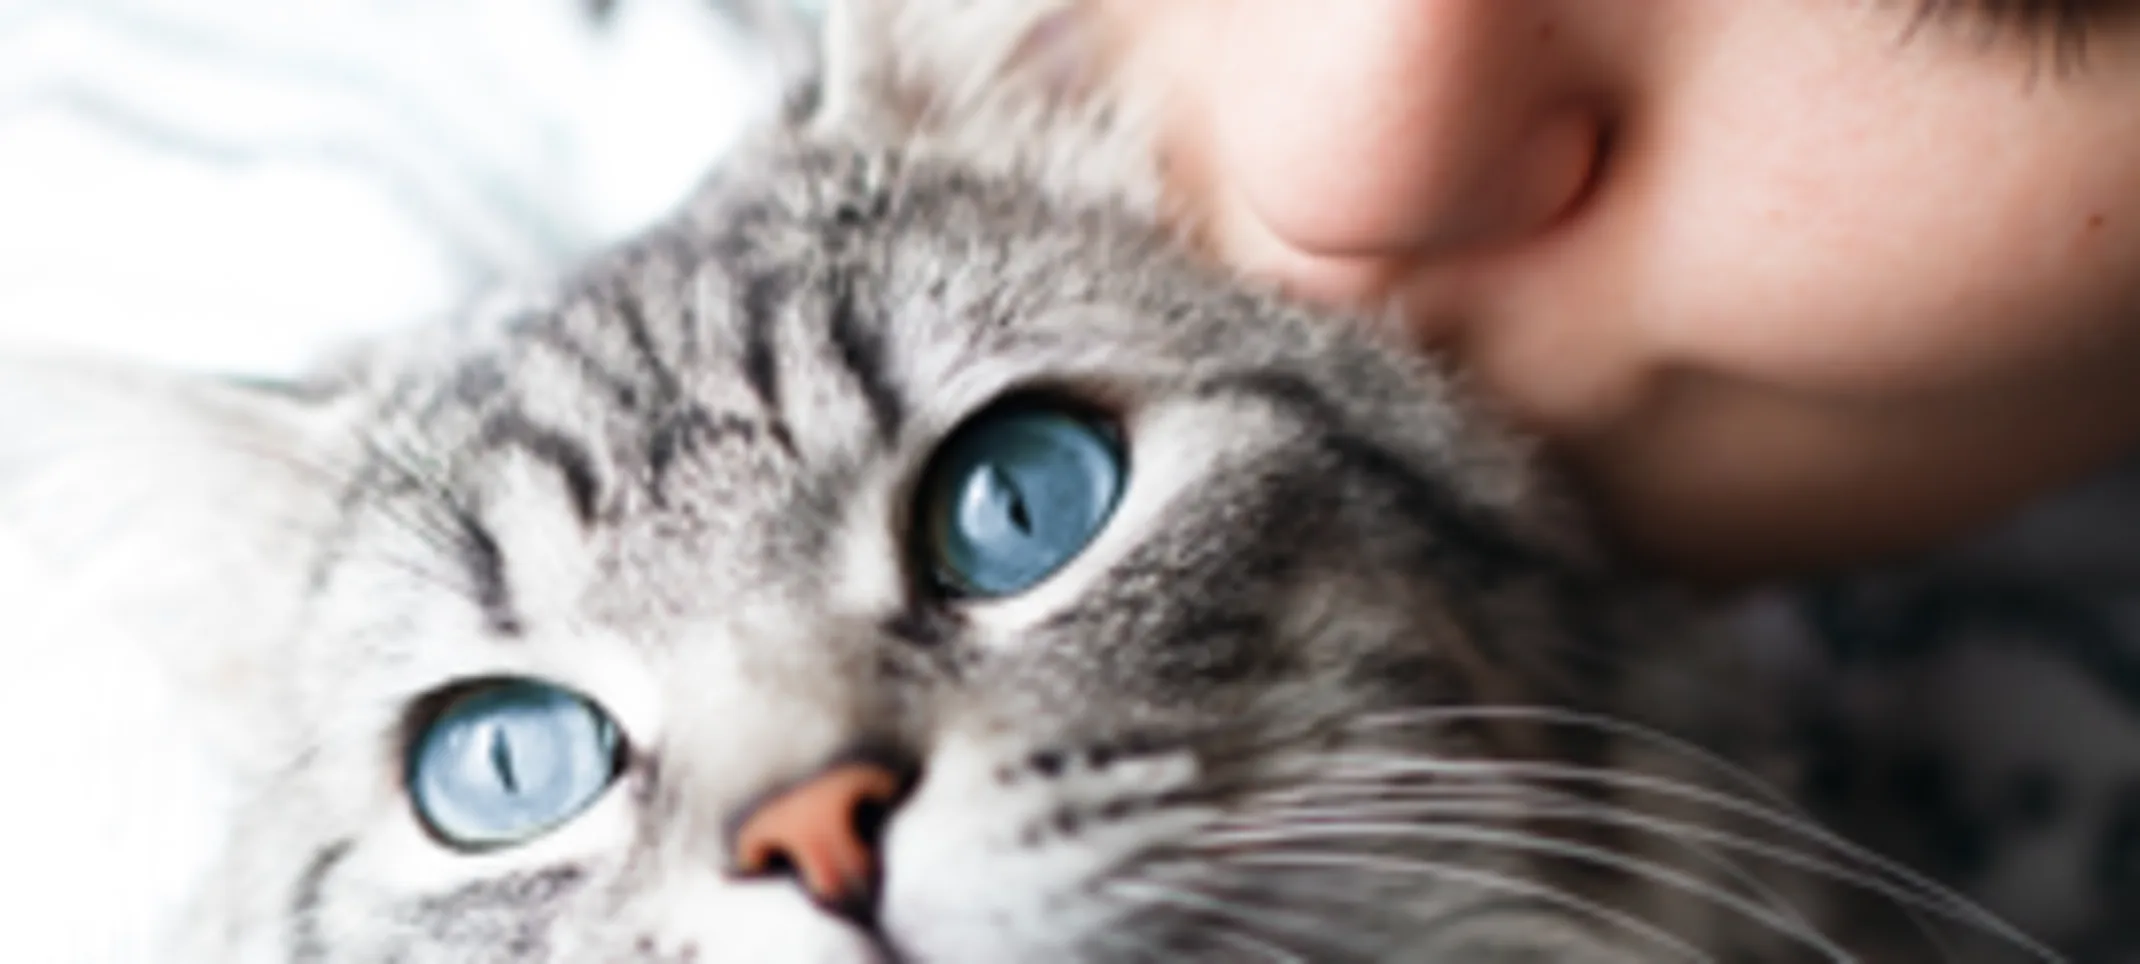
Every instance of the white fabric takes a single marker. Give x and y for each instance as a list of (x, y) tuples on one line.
[(234, 183)]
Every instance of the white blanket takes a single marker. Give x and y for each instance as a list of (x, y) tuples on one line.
[(234, 183)]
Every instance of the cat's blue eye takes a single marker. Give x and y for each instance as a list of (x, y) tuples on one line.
[(1014, 494), (507, 761)]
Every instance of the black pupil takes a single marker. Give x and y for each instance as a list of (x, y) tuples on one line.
[(501, 757), (1021, 517)]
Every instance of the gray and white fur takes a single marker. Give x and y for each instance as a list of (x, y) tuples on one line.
[(1339, 679)]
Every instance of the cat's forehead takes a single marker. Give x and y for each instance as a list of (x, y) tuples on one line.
[(842, 298), (745, 398)]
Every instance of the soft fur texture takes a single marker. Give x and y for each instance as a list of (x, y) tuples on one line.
[(1337, 681)]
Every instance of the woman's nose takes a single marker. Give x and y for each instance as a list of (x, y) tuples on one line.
[(1377, 128)]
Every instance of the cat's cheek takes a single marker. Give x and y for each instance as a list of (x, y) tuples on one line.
[(976, 872)]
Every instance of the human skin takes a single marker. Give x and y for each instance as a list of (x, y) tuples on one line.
[(1788, 284)]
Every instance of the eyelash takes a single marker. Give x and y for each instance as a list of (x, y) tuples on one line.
[(2066, 23)]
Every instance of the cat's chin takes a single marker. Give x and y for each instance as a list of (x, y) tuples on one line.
[(772, 923)]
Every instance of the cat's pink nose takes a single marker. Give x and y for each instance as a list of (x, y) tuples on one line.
[(824, 832)]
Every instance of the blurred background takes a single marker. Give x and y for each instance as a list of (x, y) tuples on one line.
[(238, 184)]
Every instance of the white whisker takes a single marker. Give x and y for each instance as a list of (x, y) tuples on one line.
[(1243, 918), (1491, 837), (1241, 939), (1126, 940), (1483, 879), (1409, 803), (1678, 833), (1576, 718), (1959, 908)]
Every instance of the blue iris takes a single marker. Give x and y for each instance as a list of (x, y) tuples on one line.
[(1014, 494), (509, 760)]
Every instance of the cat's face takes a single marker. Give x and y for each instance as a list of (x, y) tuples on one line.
[(1123, 577)]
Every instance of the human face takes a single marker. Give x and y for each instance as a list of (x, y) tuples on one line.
[(1786, 283)]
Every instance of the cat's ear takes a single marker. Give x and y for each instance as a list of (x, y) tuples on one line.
[(180, 510), (1030, 83), (915, 65)]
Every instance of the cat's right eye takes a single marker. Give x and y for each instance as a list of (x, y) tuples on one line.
[(507, 761)]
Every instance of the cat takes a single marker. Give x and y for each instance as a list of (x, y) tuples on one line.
[(908, 552)]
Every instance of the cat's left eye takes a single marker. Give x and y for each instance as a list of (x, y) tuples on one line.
[(506, 761), (1014, 494)]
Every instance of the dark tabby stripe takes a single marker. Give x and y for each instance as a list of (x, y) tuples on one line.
[(688, 429), (479, 554), (552, 336), (860, 349), (307, 945), (631, 313), (573, 461), (763, 294)]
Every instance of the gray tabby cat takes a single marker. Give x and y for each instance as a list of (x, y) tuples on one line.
[(908, 553)]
